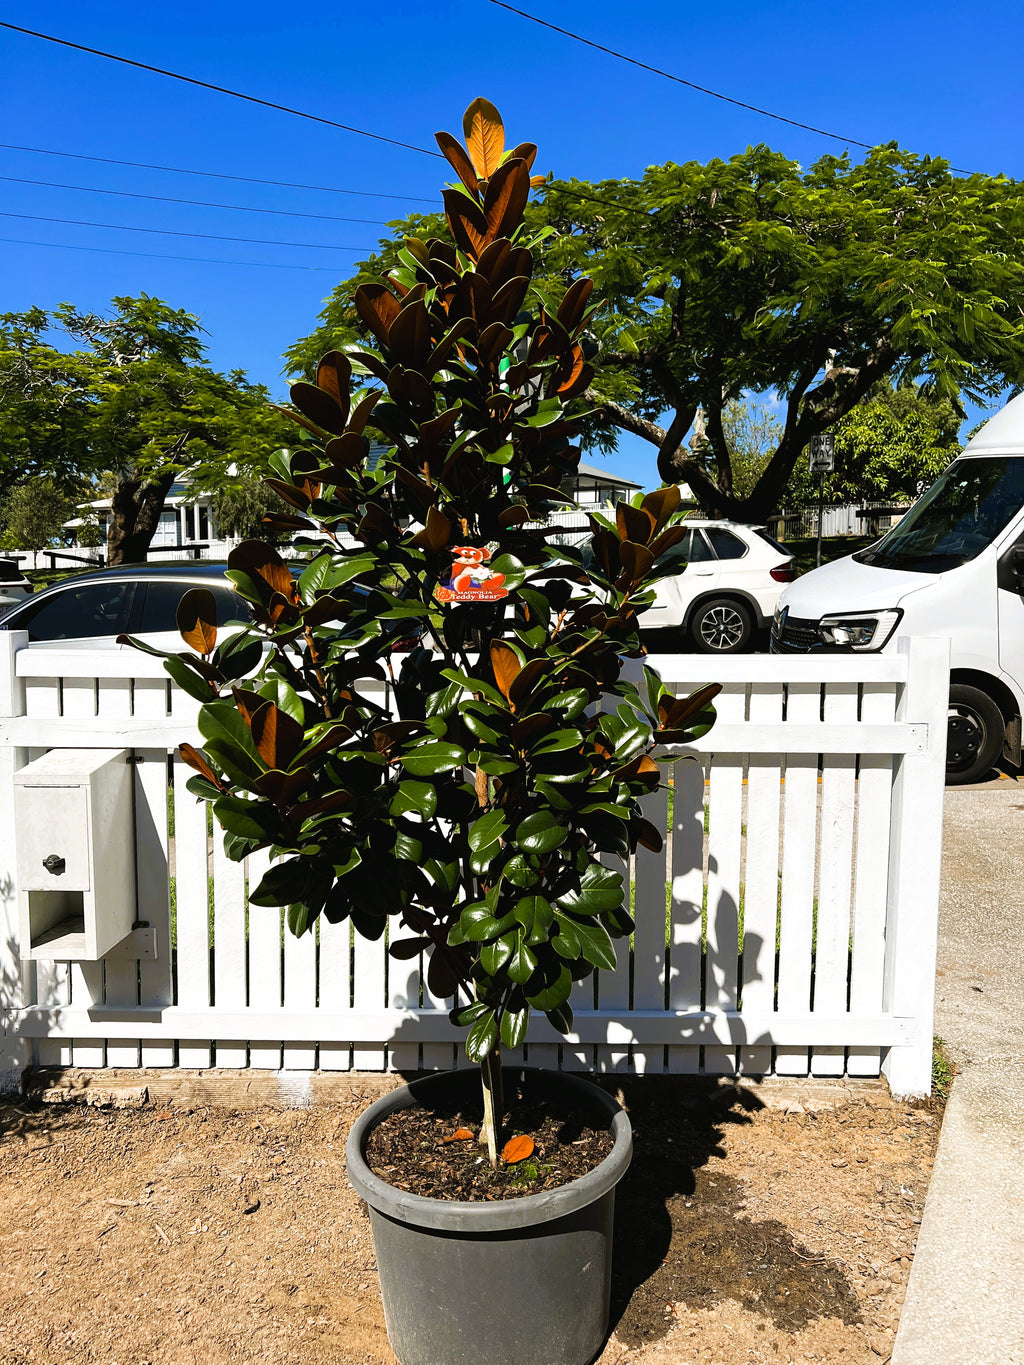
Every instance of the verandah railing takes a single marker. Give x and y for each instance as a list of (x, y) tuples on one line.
[(787, 927)]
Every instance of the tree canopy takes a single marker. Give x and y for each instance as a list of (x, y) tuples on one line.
[(130, 399), (892, 445), (753, 275)]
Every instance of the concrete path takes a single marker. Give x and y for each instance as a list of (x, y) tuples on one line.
[(965, 1299)]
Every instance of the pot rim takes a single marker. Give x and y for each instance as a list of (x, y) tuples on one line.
[(451, 1215)]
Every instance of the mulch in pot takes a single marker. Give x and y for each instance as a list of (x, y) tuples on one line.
[(418, 1150)]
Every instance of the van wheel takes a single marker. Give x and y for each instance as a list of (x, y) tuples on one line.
[(721, 626), (974, 735)]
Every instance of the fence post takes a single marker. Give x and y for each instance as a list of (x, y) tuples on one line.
[(912, 909), (17, 978)]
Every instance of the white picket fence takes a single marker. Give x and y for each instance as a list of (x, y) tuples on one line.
[(788, 927)]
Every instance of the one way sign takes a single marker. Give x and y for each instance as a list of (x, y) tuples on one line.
[(822, 454)]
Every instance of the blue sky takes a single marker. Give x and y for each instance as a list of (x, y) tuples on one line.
[(939, 78)]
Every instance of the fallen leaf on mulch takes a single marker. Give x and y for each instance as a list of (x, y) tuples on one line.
[(517, 1149)]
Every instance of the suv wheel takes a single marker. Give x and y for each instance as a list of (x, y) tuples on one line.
[(974, 735), (721, 626)]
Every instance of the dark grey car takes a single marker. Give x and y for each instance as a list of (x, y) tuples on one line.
[(137, 599)]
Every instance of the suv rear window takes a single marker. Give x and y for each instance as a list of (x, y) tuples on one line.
[(724, 543), (762, 534), (9, 572)]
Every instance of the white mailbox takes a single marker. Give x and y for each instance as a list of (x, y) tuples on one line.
[(76, 860)]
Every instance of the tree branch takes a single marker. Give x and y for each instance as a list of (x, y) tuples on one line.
[(626, 420)]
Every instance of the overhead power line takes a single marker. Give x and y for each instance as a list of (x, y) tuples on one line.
[(170, 232), (220, 89), (159, 256), (212, 175), (198, 203), (668, 76)]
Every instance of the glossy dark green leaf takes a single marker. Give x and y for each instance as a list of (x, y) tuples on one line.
[(493, 956), (522, 963), (487, 830), (248, 819), (433, 757), (278, 884), (560, 1018), (482, 1036), (554, 992), (188, 679), (541, 833), (419, 798), (595, 945), (519, 872), (514, 1024)]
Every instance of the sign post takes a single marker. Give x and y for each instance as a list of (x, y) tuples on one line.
[(822, 459)]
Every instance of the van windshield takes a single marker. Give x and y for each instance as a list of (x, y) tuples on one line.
[(961, 514)]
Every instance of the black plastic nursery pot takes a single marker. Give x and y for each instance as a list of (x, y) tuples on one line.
[(505, 1282)]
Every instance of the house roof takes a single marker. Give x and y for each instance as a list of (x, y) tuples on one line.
[(605, 476)]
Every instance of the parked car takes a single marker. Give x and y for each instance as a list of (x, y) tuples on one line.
[(14, 586), (93, 609), (731, 581), (136, 599), (954, 567)]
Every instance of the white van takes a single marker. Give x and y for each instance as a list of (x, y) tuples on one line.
[(953, 566)]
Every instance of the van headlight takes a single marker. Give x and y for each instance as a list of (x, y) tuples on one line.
[(859, 630)]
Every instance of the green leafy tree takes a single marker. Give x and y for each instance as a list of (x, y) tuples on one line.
[(240, 508), (133, 402), (754, 276), (33, 514), (891, 446), (894, 443), (474, 817)]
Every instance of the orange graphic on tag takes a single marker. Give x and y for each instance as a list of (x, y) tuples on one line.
[(471, 580)]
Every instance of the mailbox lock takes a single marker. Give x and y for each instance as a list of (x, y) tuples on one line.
[(55, 865)]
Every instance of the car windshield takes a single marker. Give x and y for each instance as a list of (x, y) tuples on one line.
[(959, 516)]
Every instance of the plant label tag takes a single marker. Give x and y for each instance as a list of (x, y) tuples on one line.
[(470, 579)]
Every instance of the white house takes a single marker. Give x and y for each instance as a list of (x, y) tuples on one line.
[(188, 529)]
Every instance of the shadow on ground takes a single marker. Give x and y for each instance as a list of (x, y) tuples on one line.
[(681, 1236)]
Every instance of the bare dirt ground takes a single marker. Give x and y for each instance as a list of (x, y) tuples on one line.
[(753, 1227)]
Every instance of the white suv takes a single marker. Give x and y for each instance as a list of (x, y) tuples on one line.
[(731, 581)]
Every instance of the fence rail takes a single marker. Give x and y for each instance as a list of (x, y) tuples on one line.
[(787, 926)]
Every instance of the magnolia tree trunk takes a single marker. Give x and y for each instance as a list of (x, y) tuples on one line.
[(134, 516)]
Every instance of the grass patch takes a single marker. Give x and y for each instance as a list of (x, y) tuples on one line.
[(943, 1070)]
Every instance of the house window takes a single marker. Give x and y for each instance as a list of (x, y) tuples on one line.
[(167, 528)]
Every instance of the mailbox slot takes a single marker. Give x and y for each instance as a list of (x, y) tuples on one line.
[(75, 845)]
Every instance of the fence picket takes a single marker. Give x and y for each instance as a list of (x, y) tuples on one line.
[(368, 977), (796, 911), (686, 954), (725, 857), (835, 865), (150, 700), (874, 797), (611, 989), (191, 896), (266, 946), (335, 989), (650, 936), (761, 878), (300, 989), (229, 947)]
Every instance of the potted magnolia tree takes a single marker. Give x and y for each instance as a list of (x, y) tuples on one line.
[(463, 798)]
